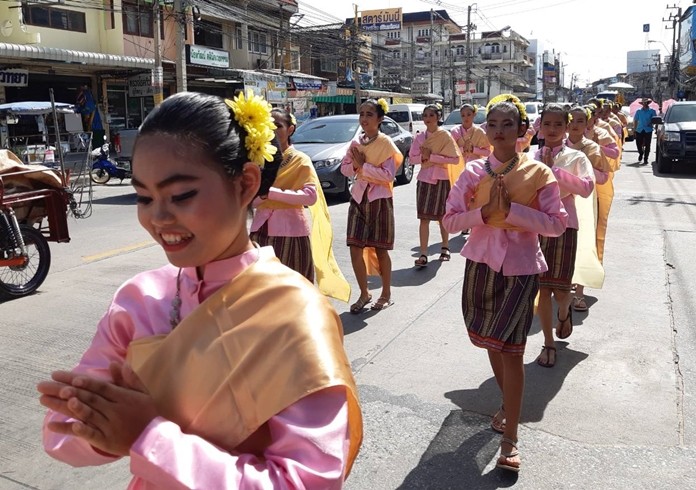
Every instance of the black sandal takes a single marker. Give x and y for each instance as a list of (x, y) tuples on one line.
[(421, 261), (569, 316), (445, 255)]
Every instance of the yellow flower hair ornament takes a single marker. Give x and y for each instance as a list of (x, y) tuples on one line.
[(514, 100), (439, 106), (293, 121), (383, 104), (253, 114), (476, 108)]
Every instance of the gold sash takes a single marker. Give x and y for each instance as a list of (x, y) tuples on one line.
[(376, 153), (294, 175), (603, 138), (261, 343), (523, 183), (441, 143), (593, 152), (477, 136)]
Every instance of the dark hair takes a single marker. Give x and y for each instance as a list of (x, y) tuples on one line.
[(285, 117), (206, 123), (471, 107), (378, 108), (597, 102), (556, 109), (506, 106), (438, 112)]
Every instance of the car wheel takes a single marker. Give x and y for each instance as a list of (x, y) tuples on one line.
[(348, 186), (406, 174), (664, 165)]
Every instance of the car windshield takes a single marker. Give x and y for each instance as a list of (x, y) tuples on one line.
[(326, 131), (681, 113), (399, 116), (531, 108), (455, 118)]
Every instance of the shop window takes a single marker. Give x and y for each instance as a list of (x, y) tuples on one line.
[(138, 19), (54, 18), (208, 33)]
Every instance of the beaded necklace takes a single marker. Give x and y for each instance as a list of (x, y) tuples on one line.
[(508, 167)]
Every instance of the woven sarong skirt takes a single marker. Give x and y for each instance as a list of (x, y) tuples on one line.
[(498, 310), (431, 199), (559, 253), (371, 224), (293, 251)]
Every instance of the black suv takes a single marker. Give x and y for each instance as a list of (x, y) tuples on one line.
[(676, 136)]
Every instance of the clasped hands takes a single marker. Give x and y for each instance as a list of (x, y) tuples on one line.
[(499, 199), (357, 156), (110, 416), (425, 154)]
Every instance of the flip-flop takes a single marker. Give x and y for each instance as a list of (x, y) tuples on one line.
[(421, 261), (498, 421), (445, 254), (559, 327), (579, 303), (548, 363), (501, 463), (360, 305), (382, 304)]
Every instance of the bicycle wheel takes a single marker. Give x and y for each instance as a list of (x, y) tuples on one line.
[(18, 281)]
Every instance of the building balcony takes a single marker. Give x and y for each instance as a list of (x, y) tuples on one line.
[(505, 57)]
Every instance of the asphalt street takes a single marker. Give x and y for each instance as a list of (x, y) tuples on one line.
[(616, 412)]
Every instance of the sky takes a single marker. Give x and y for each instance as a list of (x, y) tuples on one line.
[(590, 48)]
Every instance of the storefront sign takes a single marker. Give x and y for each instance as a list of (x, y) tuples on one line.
[(273, 92), (381, 20), (14, 78), (306, 84), (198, 55), (141, 86)]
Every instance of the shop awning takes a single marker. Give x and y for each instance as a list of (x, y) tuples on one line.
[(335, 99), (31, 52)]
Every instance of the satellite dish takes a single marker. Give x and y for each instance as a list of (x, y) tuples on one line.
[(6, 28)]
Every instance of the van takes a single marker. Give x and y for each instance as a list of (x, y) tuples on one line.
[(409, 116), (608, 95)]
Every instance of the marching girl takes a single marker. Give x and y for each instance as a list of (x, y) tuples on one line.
[(507, 200), (588, 268), (211, 371), (435, 150), (575, 176), (470, 139), (373, 161), (280, 220)]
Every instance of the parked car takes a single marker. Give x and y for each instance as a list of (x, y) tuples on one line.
[(454, 119), (630, 127), (676, 136), (408, 116), (326, 139)]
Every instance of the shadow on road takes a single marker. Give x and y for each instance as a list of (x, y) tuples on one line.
[(465, 444), (121, 199)]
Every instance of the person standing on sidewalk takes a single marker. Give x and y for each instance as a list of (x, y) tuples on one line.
[(508, 200), (644, 129)]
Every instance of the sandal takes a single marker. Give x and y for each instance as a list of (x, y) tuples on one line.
[(382, 304), (359, 305), (559, 327), (498, 421), (547, 349), (421, 261), (445, 255), (579, 303), (502, 462)]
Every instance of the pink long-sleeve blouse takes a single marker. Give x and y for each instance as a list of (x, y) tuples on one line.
[(477, 151), (286, 222), (372, 170), (429, 175), (310, 440), (570, 185), (515, 253)]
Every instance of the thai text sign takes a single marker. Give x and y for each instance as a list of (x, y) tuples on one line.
[(199, 55), (14, 78), (141, 86), (381, 20)]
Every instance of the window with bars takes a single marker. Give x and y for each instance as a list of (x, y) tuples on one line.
[(54, 18)]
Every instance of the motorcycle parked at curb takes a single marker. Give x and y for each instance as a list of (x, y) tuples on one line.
[(103, 168)]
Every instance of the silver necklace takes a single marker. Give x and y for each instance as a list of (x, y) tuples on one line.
[(508, 167), (175, 312), (369, 139)]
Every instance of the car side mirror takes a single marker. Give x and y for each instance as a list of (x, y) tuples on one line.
[(656, 120)]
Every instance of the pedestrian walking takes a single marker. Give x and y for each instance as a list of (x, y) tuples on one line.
[(574, 174), (434, 150), (209, 372), (507, 200), (372, 160), (644, 129), (470, 138)]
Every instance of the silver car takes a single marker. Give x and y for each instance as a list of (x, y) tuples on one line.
[(326, 140)]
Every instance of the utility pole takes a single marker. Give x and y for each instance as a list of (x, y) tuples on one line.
[(658, 79), (180, 16), (488, 90), (280, 37), (356, 55), (157, 72), (673, 74), (468, 47), (432, 51)]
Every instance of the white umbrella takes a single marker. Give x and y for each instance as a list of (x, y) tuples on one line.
[(618, 85)]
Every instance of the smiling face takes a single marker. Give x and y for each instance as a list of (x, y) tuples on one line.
[(467, 117), (188, 205), (430, 118), (555, 127), (370, 119)]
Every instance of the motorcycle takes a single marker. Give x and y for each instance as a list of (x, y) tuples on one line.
[(103, 168)]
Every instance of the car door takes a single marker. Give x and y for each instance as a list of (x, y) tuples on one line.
[(391, 129)]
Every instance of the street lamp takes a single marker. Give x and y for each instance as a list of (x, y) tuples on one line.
[(671, 78)]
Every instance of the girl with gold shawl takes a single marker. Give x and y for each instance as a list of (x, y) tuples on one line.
[(280, 220), (209, 372), (441, 163), (372, 160), (575, 177), (507, 200)]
